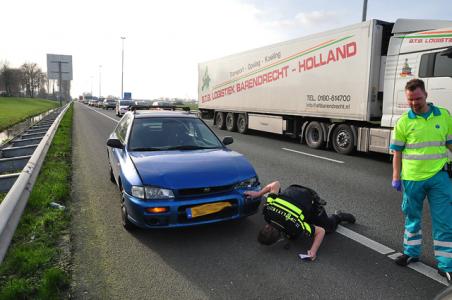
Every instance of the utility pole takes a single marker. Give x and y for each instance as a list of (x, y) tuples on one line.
[(59, 82), (364, 10), (100, 81), (122, 69)]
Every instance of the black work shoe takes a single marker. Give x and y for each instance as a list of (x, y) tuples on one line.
[(345, 217), (448, 275), (403, 260)]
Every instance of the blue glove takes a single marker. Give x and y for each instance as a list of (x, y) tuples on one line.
[(397, 185)]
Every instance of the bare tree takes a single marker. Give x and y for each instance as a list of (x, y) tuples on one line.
[(66, 89), (41, 85), (32, 78), (15, 86), (3, 66), (10, 79)]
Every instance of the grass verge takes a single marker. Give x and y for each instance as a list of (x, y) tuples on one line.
[(35, 266), (2, 196), (16, 110), (193, 106)]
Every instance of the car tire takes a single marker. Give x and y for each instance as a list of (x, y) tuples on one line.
[(112, 177), (129, 226), (314, 135), (231, 122), (343, 139)]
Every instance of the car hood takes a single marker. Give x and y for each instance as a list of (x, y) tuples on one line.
[(192, 169)]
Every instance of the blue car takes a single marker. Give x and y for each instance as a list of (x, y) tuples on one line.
[(173, 171)]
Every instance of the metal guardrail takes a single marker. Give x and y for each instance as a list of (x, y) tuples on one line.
[(13, 205)]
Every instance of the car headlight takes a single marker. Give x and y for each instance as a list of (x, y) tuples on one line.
[(158, 193), (247, 184), (138, 191), (151, 193)]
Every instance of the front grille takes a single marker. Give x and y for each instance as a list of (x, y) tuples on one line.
[(204, 191), (224, 213)]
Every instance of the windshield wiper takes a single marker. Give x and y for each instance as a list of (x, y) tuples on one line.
[(145, 149), (189, 147)]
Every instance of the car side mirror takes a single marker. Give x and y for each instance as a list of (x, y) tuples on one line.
[(227, 140), (115, 143)]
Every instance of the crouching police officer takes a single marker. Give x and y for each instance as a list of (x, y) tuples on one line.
[(297, 210)]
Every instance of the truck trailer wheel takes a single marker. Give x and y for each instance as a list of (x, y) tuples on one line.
[(343, 139), (242, 124), (231, 122), (219, 120), (314, 135)]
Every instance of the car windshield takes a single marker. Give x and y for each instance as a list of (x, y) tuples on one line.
[(126, 102), (156, 134)]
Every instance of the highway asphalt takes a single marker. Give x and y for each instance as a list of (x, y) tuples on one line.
[(224, 261)]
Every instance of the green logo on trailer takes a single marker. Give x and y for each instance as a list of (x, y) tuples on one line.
[(205, 81)]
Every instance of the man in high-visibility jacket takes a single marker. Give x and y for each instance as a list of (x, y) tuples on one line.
[(297, 210), (420, 143)]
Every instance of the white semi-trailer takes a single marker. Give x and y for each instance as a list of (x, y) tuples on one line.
[(342, 88)]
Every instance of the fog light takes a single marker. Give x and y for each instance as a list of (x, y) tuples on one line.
[(157, 210)]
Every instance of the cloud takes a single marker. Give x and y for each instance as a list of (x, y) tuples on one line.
[(317, 17)]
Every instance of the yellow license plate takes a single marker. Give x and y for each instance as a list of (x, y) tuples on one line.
[(206, 209)]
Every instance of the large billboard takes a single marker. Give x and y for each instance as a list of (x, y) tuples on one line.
[(57, 65)]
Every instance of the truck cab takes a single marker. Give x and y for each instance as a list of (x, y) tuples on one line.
[(418, 49)]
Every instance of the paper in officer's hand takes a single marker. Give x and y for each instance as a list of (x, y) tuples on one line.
[(304, 257)]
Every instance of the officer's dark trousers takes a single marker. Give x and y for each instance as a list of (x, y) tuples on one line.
[(329, 223)]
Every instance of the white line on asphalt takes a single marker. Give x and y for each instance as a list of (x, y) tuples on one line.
[(308, 154), (102, 114), (380, 248), (423, 269)]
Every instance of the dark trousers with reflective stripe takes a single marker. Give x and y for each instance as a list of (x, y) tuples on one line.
[(329, 223)]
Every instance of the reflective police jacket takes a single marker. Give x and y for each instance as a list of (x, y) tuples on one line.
[(291, 210)]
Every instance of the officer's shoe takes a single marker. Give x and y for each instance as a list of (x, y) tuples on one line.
[(403, 260), (448, 275), (345, 217)]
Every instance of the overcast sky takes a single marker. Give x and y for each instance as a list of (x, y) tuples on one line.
[(165, 40)]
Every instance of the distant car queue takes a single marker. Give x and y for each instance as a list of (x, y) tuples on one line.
[(122, 106)]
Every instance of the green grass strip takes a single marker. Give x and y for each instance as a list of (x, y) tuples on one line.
[(2, 196), (192, 106), (16, 110), (34, 267)]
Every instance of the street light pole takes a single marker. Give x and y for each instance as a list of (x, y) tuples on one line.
[(122, 68), (364, 11), (100, 81)]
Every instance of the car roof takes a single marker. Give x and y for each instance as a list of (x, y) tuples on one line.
[(162, 113)]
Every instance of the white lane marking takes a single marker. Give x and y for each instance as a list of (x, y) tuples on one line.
[(423, 269), (102, 114), (380, 248), (308, 154)]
